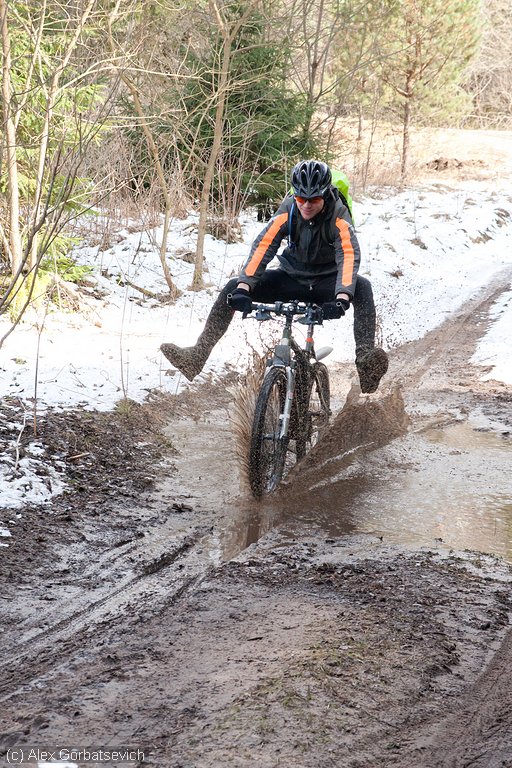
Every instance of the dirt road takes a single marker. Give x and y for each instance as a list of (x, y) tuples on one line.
[(183, 620)]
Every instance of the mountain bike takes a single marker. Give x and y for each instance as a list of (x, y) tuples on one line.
[(293, 404)]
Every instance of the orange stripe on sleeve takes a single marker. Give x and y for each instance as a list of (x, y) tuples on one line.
[(348, 252), (264, 244)]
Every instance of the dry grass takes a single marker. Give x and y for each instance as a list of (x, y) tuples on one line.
[(372, 158)]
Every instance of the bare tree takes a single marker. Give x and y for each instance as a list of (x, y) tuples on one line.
[(124, 66), (332, 49), (53, 109), (489, 79), (228, 29)]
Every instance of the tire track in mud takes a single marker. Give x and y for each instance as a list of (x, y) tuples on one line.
[(478, 731), (129, 581), (149, 586), (449, 346)]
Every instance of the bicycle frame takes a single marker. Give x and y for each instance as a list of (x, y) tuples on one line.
[(282, 357), (283, 408)]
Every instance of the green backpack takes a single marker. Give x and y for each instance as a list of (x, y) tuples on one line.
[(341, 182)]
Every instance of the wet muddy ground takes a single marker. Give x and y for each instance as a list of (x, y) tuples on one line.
[(359, 617)]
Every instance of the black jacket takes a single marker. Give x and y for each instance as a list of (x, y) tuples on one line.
[(322, 246)]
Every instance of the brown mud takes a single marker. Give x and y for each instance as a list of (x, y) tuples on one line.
[(155, 606), (358, 618)]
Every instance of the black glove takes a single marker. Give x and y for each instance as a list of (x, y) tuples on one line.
[(240, 300), (333, 310)]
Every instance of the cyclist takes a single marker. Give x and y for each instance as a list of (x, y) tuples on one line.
[(319, 264)]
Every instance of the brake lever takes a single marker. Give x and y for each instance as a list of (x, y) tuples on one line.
[(313, 315), (262, 314)]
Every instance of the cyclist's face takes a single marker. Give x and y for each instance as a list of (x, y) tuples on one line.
[(309, 208)]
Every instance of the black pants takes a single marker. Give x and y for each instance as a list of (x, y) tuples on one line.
[(277, 285)]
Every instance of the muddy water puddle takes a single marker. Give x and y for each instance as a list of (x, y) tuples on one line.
[(448, 487)]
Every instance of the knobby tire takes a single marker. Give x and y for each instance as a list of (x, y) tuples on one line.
[(315, 404), (267, 450)]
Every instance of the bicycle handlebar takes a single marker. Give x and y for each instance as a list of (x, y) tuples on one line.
[(312, 312)]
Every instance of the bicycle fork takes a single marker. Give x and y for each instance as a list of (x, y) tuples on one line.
[(283, 359), (287, 410)]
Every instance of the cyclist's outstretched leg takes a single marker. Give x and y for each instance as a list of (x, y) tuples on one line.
[(191, 360), (274, 285), (371, 361)]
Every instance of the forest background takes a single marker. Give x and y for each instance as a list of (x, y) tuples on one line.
[(151, 109)]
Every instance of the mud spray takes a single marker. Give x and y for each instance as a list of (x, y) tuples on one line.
[(364, 424)]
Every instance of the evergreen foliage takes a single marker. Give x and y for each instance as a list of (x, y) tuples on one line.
[(263, 119)]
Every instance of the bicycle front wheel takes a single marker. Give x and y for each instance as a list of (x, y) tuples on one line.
[(267, 451), (316, 410)]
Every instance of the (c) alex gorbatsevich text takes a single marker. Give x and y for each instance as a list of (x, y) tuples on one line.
[(70, 755)]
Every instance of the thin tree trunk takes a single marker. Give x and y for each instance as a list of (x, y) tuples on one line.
[(153, 149), (15, 247), (173, 289), (405, 139), (228, 35), (197, 280)]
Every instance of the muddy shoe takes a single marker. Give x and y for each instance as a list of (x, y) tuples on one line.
[(371, 367), (188, 360)]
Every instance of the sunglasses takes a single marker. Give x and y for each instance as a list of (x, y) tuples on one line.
[(313, 200)]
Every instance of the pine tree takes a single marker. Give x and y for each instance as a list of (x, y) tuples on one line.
[(428, 47)]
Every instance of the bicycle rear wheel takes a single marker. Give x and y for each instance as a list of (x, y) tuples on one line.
[(267, 451), (316, 409)]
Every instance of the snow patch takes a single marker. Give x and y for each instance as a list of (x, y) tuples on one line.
[(493, 350)]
